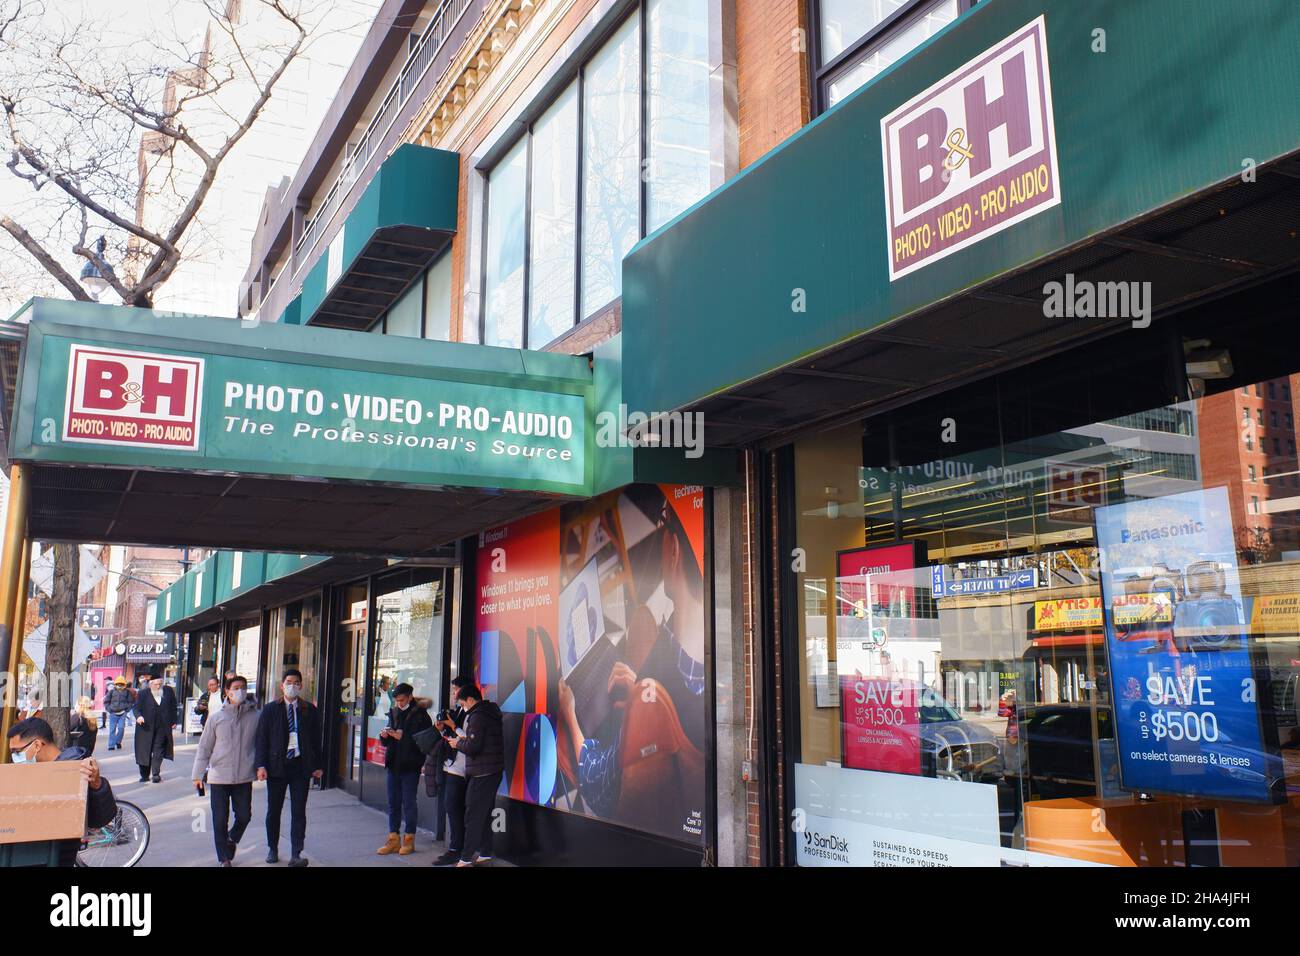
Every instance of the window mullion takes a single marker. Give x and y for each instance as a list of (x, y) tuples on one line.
[(528, 236), (580, 197), (643, 99)]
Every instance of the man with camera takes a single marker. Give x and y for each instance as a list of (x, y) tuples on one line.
[(484, 748), (446, 768)]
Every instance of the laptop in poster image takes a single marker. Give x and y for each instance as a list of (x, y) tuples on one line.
[(587, 654)]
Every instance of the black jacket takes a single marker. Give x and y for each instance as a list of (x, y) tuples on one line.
[(101, 808), (405, 756), (440, 754), (483, 745), (273, 737), (81, 734), (158, 721)]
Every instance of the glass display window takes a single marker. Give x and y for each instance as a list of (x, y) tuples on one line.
[(1049, 621)]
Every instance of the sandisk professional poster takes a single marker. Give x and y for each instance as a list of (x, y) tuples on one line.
[(1184, 691)]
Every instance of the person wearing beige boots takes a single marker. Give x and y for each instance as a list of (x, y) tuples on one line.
[(403, 761)]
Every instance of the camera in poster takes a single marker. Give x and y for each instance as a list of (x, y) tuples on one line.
[(590, 636), (1183, 685)]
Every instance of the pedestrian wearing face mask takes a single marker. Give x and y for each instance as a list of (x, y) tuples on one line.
[(155, 715), (288, 757), (403, 760), (228, 754)]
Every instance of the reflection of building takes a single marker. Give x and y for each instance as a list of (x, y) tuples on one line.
[(1248, 444)]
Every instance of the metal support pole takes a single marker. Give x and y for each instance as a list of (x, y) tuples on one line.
[(12, 562)]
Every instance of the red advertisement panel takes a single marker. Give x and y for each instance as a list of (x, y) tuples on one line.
[(882, 723), (590, 636)]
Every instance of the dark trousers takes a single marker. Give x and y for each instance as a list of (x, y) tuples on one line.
[(157, 748), (297, 781), (224, 797), (480, 801), (453, 801), (402, 785)]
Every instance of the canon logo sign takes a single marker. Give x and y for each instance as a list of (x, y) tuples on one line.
[(134, 399)]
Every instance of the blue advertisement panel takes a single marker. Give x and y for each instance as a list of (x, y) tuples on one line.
[(1184, 691)]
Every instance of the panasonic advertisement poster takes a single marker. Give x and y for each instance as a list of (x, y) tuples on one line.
[(1184, 691)]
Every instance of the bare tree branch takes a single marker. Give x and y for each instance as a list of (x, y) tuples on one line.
[(47, 261), (102, 124)]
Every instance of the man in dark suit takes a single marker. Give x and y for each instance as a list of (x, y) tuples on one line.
[(155, 715), (288, 756)]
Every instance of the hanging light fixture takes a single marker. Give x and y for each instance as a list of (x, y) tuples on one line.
[(91, 277)]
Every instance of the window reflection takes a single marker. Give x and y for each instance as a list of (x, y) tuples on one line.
[(611, 220), (504, 304), (1102, 618)]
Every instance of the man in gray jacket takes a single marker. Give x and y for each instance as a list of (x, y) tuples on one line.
[(228, 753)]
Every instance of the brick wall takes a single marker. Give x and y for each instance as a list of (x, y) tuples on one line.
[(771, 73)]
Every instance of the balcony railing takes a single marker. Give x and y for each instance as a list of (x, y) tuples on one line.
[(390, 108)]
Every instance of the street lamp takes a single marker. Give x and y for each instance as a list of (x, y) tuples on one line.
[(91, 277)]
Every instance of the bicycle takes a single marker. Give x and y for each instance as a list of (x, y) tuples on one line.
[(120, 843)]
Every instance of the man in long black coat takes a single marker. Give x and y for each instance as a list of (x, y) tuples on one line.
[(155, 714)]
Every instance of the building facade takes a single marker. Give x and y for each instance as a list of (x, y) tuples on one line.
[(983, 558)]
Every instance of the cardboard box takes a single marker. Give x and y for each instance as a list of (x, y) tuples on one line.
[(42, 801)]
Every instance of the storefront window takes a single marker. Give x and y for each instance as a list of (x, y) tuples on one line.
[(248, 647), (408, 650), (295, 643), (1033, 636), (204, 663)]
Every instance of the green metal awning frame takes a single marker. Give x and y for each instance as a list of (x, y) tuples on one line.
[(404, 219)]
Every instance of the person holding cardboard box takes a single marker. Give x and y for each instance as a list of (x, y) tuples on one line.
[(31, 741)]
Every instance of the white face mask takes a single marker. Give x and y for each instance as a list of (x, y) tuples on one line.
[(237, 696), (291, 691)]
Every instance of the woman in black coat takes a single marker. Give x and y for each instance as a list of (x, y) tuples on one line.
[(155, 713)]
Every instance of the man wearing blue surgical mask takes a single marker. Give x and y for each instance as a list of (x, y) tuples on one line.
[(227, 754), (32, 741), (288, 757)]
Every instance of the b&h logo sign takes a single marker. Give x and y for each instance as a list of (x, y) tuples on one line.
[(972, 155), (133, 399)]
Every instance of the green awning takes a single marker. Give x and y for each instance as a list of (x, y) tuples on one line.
[(404, 220), (142, 427), (785, 299)]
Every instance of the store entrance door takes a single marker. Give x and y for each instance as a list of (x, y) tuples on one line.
[(351, 737)]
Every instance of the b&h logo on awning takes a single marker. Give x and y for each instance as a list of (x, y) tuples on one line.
[(971, 155), (133, 399)]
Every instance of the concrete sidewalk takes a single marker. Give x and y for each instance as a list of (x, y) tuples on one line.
[(341, 831)]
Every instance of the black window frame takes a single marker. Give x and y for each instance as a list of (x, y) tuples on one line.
[(820, 76)]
